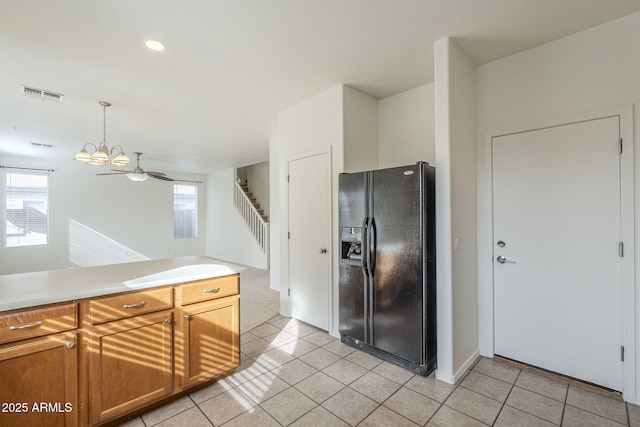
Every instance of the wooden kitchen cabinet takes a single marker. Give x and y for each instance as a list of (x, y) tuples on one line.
[(210, 339), (39, 382), (131, 364), (96, 360)]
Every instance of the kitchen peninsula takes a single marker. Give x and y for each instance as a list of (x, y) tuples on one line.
[(89, 346)]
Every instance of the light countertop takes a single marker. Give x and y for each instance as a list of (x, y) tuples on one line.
[(46, 287)]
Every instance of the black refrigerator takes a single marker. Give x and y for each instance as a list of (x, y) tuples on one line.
[(387, 288)]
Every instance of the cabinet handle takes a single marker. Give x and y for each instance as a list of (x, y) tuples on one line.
[(140, 304), (167, 321), (214, 290), (69, 344), (31, 325), (187, 317)]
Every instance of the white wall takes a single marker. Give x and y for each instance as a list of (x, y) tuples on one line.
[(407, 127), (455, 210), (258, 180), (120, 220), (585, 72), (228, 237), (360, 131)]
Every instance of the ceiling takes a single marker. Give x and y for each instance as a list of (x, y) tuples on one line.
[(211, 99)]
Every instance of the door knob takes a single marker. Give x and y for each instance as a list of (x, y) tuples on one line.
[(323, 250), (503, 260)]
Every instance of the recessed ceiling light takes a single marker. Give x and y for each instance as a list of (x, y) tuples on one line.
[(154, 45)]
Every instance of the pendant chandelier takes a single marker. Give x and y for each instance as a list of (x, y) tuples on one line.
[(101, 154)]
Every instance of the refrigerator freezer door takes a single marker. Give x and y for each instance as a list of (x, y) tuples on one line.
[(353, 284), (398, 285)]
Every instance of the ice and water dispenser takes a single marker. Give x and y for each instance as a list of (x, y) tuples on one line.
[(351, 244)]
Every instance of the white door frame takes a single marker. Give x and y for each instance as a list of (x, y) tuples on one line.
[(485, 237), (284, 233)]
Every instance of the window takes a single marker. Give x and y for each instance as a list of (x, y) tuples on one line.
[(26, 209), (185, 211)]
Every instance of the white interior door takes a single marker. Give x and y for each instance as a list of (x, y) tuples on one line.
[(558, 296), (309, 238)]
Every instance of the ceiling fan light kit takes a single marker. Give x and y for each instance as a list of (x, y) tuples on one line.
[(137, 177), (101, 153)]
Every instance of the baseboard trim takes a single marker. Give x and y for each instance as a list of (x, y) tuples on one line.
[(466, 366), (461, 372)]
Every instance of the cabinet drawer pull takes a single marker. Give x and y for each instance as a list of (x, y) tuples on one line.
[(214, 290), (140, 304), (31, 325)]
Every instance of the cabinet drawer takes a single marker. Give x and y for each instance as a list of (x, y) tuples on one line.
[(126, 305), (35, 323), (208, 289)]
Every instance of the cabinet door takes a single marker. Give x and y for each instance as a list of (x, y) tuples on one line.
[(130, 364), (39, 382), (211, 339)]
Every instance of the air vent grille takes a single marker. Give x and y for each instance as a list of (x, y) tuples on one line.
[(44, 95), (39, 145)]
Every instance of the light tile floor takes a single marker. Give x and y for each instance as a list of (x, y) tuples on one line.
[(294, 374)]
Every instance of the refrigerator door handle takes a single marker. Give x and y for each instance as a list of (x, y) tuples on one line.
[(371, 249), (363, 249), (367, 278)]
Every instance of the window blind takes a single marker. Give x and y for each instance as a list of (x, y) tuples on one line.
[(26, 209), (185, 211)]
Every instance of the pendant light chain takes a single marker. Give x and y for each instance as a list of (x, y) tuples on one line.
[(104, 123)]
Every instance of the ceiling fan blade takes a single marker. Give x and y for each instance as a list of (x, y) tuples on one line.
[(155, 173), (111, 173), (164, 178), (120, 171)]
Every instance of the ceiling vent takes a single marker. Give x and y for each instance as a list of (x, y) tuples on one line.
[(39, 145), (44, 95)]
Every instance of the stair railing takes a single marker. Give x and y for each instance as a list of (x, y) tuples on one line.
[(257, 225)]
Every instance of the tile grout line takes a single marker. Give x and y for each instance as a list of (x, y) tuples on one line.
[(341, 358), (505, 401), (202, 412), (343, 384), (290, 386), (466, 415), (398, 390), (513, 386)]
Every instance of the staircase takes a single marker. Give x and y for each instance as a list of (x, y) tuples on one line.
[(254, 202), (253, 216)]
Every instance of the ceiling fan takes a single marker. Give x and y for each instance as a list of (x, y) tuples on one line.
[(138, 174)]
